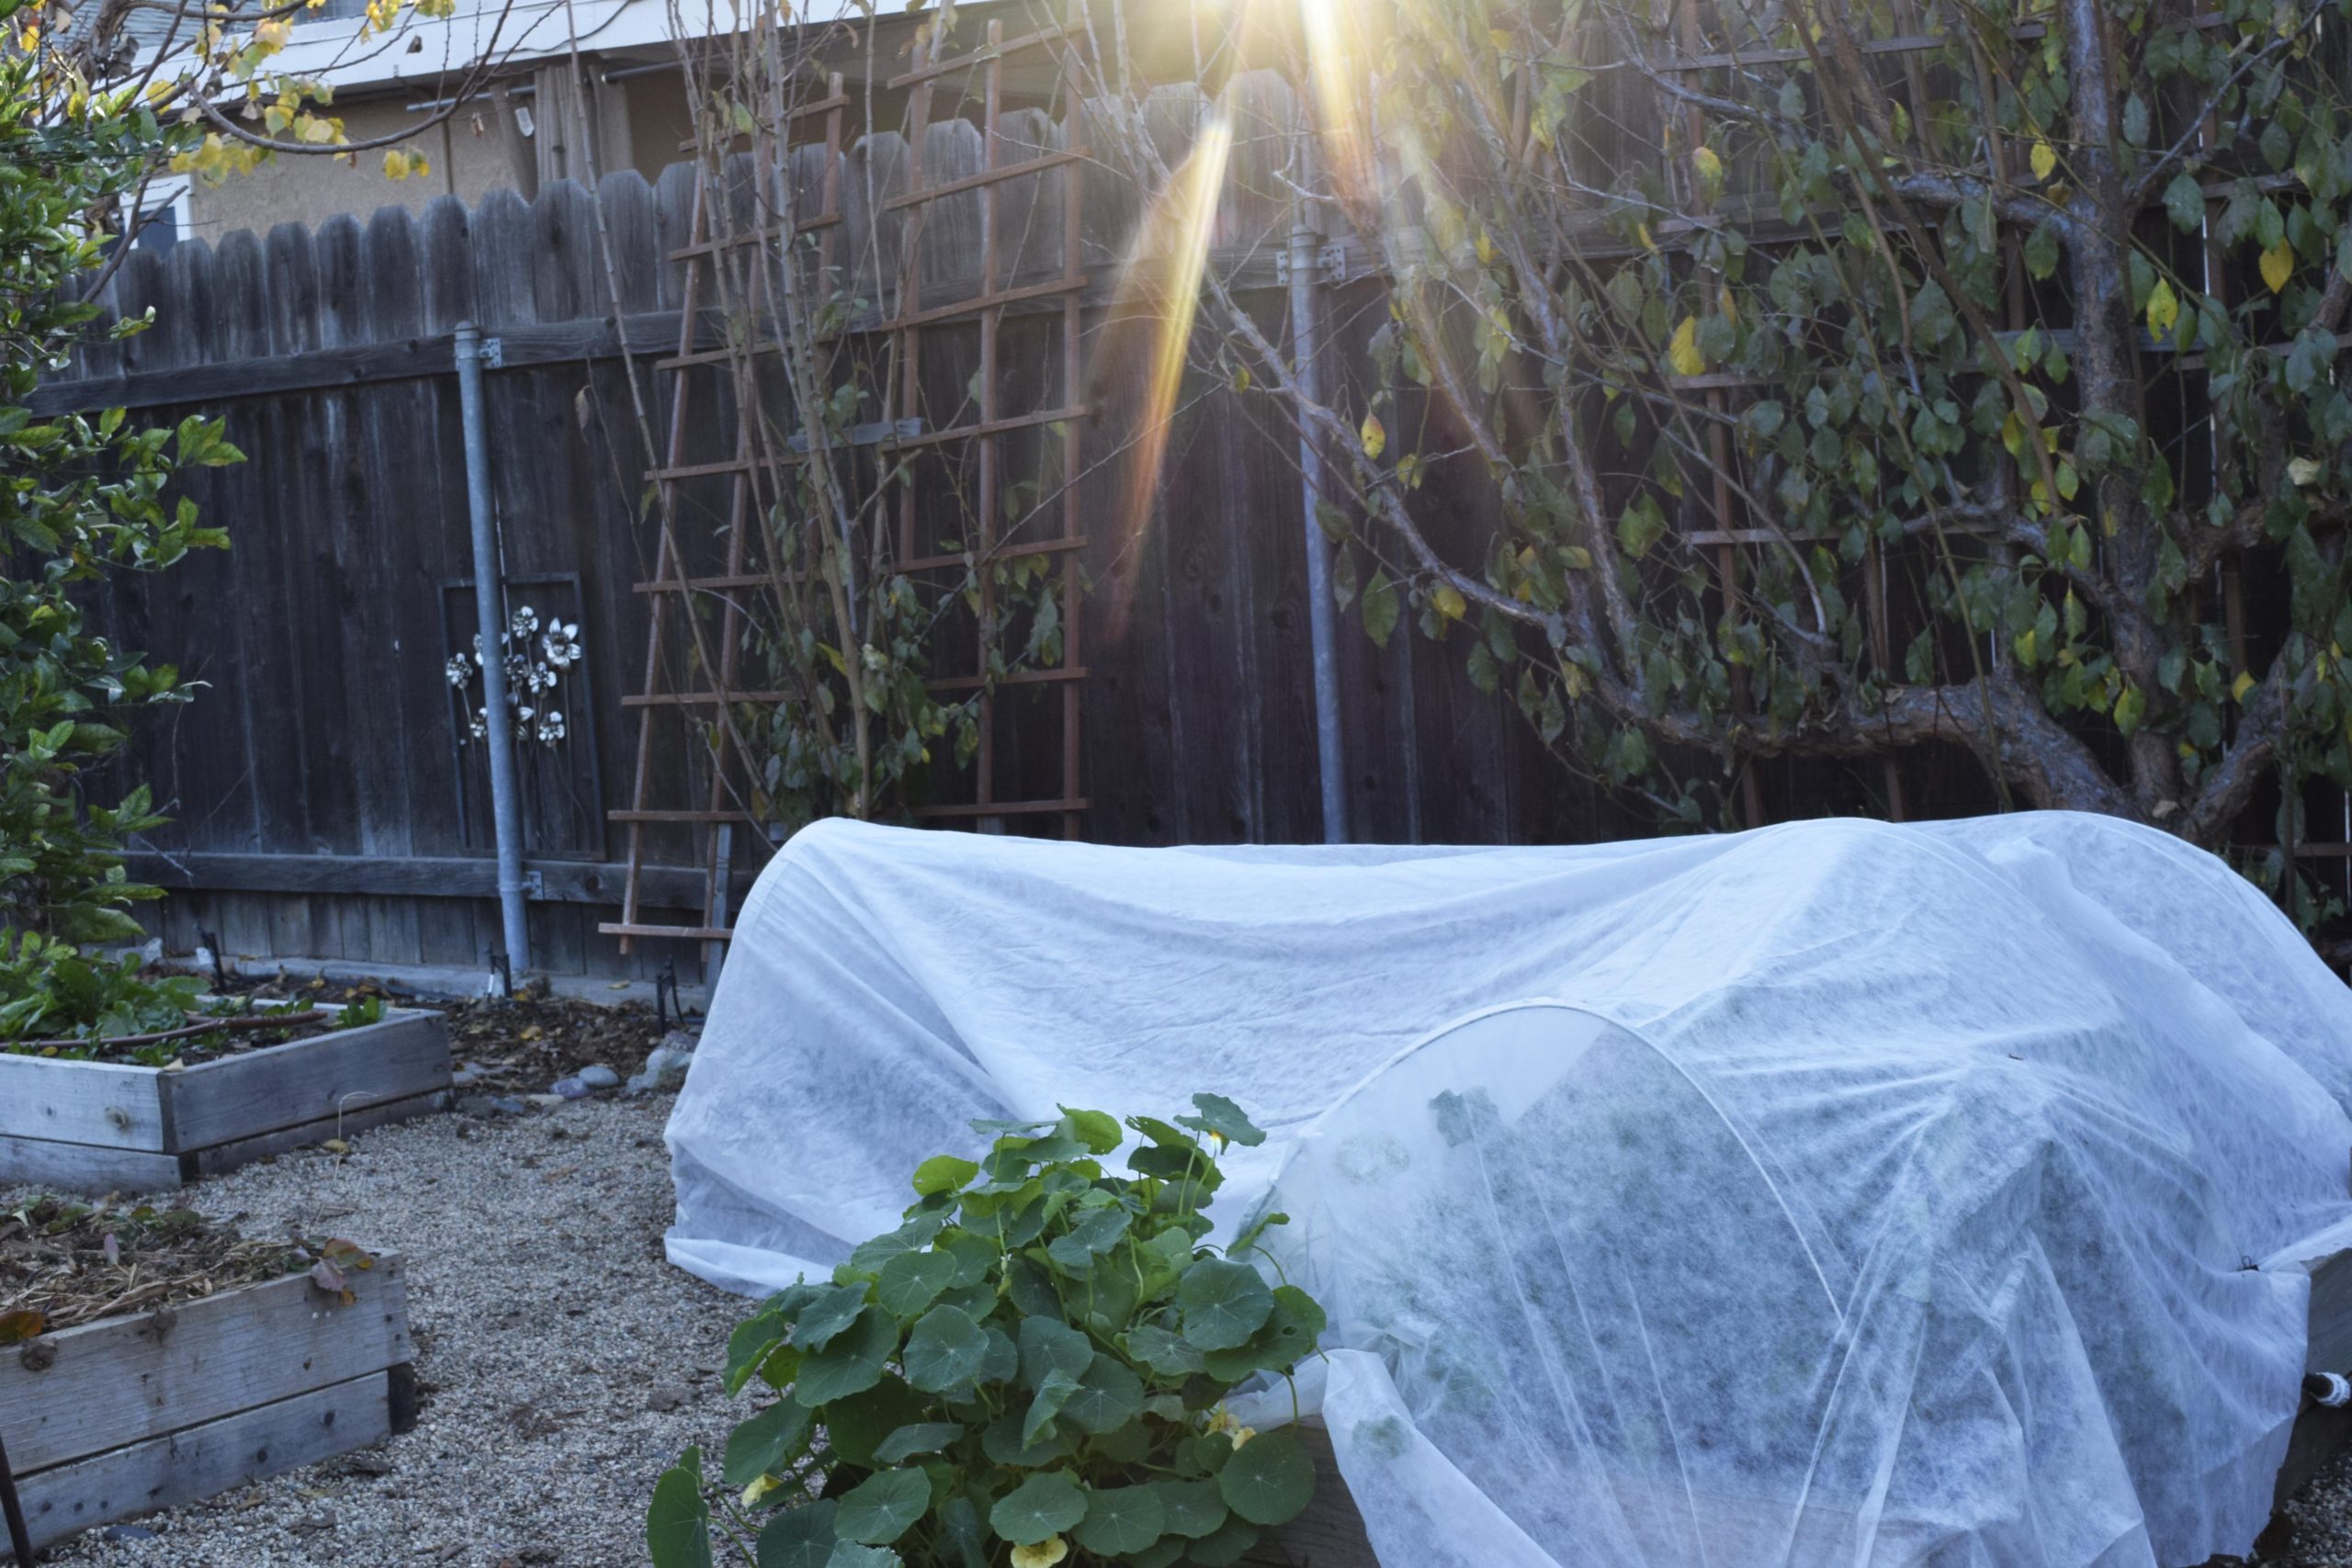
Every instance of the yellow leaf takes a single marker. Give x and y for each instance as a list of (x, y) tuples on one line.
[(395, 163), (2279, 265), (1376, 436), (2044, 159), (1485, 249), (2164, 308), (1449, 601), (1684, 352), (1710, 170), (2241, 685)]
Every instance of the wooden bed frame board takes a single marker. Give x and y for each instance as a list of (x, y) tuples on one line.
[(133, 1414), (103, 1127)]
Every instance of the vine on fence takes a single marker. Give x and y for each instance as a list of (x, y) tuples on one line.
[(844, 627)]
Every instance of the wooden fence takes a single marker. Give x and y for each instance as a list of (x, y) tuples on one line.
[(328, 800)]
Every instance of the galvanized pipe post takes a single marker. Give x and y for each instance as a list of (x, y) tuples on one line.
[(490, 618), (1322, 612)]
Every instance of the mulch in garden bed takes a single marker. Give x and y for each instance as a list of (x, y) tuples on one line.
[(518, 1046), (64, 1262), (207, 1035)]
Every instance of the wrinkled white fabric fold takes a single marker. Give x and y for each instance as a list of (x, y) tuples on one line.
[(1837, 1193)]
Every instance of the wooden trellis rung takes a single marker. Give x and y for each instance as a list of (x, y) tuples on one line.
[(994, 301), (991, 54), (999, 808), (1020, 171)]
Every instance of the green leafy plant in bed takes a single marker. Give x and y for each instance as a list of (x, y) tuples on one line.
[(63, 1001), (83, 497), (1031, 1371)]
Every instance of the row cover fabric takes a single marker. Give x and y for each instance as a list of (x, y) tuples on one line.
[(1838, 1192)]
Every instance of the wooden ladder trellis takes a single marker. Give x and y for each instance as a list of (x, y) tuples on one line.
[(911, 321), (908, 322), (672, 578)]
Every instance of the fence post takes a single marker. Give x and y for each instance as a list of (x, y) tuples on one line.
[(490, 616), (1306, 334)]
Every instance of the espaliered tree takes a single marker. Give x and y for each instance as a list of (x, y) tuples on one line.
[(1849, 378)]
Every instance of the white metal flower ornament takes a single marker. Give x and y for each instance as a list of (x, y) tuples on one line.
[(530, 681)]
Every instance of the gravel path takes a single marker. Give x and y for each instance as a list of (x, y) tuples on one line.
[(564, 1363)]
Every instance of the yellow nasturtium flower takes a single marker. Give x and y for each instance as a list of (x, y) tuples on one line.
[(759, 1489), (1043, 1554), (1225, 1421)]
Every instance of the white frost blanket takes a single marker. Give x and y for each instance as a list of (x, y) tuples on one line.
[(1837, 1193)]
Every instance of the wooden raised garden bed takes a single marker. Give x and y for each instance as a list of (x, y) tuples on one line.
[(127, 1415), (102, 1126)]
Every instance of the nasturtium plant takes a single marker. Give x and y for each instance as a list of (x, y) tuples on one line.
[(1031, 1371)]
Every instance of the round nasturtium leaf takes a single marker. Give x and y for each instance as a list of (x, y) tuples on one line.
[(1003, 1440), (849, 1554), (878, 1509), (767, 1443), (947, 1349), (918, 1438), (1046, 1504), (1049, 1346), (1108, 1396), (1288, 1334), (1003, 1361), (1097, 1130), (1052, 1394), (1223, 1303), (1221, 1548), (943, 1173), (974, 1254), (1226, 1119), (677, 1524), (1120, 1518), (1159, 1554), (827, 1315), (800, 1537), (856, 1425), (913, 1280), (851, 1361), (1190, 1508), (1269, 1479), (1170, 1355)]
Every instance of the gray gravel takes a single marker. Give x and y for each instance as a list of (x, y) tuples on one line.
[(2314, 1530), (564, 1362)]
